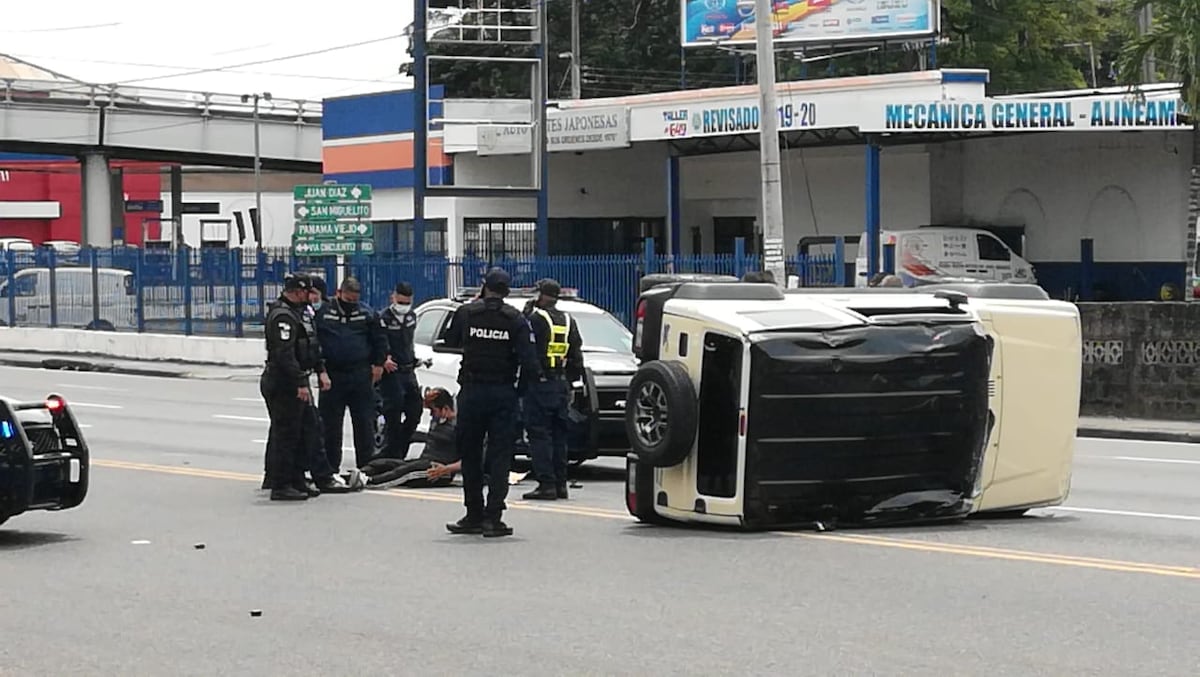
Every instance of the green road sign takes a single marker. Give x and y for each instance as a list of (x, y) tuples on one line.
[(351, 192), (328, 247), (332, 212), (332, 230)]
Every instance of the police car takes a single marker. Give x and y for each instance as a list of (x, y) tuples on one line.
[(757, 407), (597, 409), (44, 460)]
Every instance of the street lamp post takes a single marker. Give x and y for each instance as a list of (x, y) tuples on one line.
[(258, 212)]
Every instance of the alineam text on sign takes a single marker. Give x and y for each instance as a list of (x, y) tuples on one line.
[(1016, 115)]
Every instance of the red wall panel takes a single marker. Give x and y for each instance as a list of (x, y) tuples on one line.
[(58, 181)]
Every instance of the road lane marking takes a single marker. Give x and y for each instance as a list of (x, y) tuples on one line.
[(1130, 513), (257, 400), (1143, 459), (256, 419), (983, 552), (93, 405), (264, 442), (83, 387)]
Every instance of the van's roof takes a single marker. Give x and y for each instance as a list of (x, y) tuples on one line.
[(797, 309)]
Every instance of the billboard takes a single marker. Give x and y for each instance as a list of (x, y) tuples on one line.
[(731, 22)]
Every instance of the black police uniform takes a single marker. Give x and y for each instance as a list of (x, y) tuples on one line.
[(291, 359), (400, 391), (351, 343), (495, 342), (545, 404)]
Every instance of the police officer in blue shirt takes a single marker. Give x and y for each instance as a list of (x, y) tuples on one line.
[(544, 407), (495, 342), (355, 350), (401, 393)]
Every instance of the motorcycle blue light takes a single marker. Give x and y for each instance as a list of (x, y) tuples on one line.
[(6, 430)]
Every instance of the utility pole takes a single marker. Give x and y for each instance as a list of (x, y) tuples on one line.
[(576, 55), (768, 135)]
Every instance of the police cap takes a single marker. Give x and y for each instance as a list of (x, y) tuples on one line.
[(318, 283), (497, 280), (549, 287), (297, 282)]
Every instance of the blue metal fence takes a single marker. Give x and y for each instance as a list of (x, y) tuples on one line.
[(221, 292)]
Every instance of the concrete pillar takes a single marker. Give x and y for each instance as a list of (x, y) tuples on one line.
[(97, 200)]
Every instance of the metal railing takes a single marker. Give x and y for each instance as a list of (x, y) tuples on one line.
[(224, 292), (76, 94)]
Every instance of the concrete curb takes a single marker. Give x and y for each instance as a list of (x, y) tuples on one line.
[(69, 364), (1140, 435)]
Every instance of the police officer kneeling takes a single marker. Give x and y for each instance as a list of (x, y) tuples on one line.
[(495, 341), (291, 358), (545, 403)]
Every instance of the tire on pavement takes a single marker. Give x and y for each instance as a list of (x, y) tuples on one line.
[(662, 414)]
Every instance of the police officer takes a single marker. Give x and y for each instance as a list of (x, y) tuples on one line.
[(291, 358), (354, 350), (544, 406), (495, 341), (401, 393)]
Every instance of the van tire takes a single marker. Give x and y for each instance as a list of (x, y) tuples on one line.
[(662, 415), (100, 325)]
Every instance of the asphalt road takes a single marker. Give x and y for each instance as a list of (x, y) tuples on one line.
[(371, 583)]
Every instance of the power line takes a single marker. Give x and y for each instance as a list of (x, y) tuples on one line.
[(61, 29), (135, 64), (260, 62)]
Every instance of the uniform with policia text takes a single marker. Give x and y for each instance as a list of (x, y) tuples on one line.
[(496, 344)]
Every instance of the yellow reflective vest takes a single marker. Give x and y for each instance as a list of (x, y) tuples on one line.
[(556, 347)]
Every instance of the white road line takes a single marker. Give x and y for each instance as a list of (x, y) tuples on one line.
[(83, 387), (256, 419), (92, 405), (257, 400), (264, 442), (1130, 513), (1142, 459)]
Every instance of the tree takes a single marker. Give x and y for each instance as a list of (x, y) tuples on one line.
[(1174, 40)]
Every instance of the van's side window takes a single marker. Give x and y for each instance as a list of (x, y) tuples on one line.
[(26, 286), (991, 249)]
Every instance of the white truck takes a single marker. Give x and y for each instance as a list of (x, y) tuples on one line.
[(942, 254)]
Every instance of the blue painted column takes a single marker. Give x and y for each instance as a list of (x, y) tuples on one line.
[(674, 205), (420, 73), (872, 242)]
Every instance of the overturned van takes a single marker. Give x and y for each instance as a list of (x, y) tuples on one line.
[(760, 408)]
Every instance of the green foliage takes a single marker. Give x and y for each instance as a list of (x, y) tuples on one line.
[(1174, 40), (632, 47)]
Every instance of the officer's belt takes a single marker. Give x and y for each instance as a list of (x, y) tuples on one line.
[(347, 366)]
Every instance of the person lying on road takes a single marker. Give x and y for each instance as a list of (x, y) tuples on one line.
[(439, 461)]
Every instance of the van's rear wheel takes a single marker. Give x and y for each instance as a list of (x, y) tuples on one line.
[(661, 417), (101, 325)]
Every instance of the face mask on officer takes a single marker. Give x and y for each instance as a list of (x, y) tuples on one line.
[(401, 304)]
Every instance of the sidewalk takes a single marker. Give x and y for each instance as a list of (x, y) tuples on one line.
[(100, 363), (1140, 429)]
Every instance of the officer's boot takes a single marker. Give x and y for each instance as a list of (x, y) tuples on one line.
[(562, 491), (544, 492), (467, 525), (288, 493), (494, 527)]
